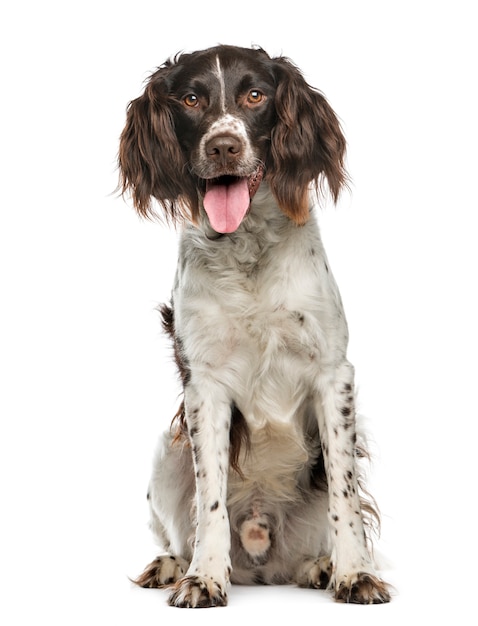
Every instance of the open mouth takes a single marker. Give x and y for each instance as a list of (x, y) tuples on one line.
[(227, 199)]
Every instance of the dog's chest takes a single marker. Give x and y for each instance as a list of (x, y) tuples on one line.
[(262, 306), (258, 319)]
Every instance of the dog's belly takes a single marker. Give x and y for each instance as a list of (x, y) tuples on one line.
[(279, 366), (272, 465)]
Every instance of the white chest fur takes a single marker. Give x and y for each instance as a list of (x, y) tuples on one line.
[(260, 311)]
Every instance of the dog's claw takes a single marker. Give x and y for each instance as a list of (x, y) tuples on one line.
[(195, 592), (162, 572), (363, 589)]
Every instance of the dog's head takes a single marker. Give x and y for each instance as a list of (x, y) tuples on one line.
[(211, 125)]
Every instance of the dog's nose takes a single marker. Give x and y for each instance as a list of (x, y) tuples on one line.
[(224, 149)]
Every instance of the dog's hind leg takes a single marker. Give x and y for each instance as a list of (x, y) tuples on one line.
[(171, 502)]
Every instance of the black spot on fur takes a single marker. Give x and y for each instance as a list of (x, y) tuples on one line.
[(167, 315), (299, 317), (318, 476), (215, 506), (238, 437), (324, 579), (197, 455)]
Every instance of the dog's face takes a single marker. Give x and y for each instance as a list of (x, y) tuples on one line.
[(211, 124), (224, 116), (224, 112)]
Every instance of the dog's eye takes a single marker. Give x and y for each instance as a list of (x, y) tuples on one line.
[(255, 96), (191, 100)]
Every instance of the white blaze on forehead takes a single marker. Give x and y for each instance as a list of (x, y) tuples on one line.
[(222, 86)]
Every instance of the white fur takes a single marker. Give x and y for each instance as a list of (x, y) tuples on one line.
[(261, 326)]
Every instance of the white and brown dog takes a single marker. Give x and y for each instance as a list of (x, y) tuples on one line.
[(256, 482)]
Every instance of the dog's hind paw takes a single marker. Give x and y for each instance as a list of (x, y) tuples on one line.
[(363, 588), (197, 592), (163, 571), (315, 573)]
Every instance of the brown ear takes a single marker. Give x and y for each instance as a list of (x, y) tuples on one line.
[(307, 143), (151, 161)]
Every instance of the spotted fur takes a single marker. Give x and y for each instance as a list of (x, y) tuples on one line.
[(257, 481)]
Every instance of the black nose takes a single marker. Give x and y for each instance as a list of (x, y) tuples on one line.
[(224, 149)]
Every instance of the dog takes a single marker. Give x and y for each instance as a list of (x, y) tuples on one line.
[(257, 480)]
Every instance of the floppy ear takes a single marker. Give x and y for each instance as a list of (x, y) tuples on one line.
[(151, 162), (307, 143)]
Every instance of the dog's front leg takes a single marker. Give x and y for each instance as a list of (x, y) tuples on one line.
[(208, 417), (354, 578)]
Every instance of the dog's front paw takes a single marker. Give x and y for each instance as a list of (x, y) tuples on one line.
[(197, 592), (362, 588), (163, 571)]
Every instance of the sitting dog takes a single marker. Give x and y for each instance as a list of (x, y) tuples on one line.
[(257, 479)]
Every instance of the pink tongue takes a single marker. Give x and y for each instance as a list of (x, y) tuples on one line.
[(226, 205)]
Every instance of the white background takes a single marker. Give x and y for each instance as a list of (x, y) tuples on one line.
[(87, 381)]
